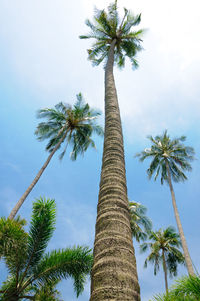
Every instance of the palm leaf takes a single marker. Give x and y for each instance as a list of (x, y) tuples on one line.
[(41, 230), (56, 265)]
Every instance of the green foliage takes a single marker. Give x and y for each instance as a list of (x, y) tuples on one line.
[(74, 125), (141, 225), (106, 28), (164, 149), (41, 229), (30, 270), (186, 288), (13, 244), (47, 293), (164, 241)]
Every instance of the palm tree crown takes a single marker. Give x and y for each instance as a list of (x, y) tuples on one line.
[(173, 151), (141, 224), (164, 249), (64, 123), (108, 27), (30, 268), (74, 125)]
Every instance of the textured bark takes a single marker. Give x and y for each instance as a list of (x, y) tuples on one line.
[(36, 179), (179, 225), (165, 270), (114, 274)]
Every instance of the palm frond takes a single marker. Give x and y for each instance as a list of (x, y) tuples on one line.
[(13, 244), (56, 265), (188, 286), (41, 230)]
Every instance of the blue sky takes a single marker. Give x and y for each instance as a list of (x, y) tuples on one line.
[(43, 62)]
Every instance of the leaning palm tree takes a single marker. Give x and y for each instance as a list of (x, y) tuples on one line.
[(114, 274), (170, 159), (64, 123), (164, 249), (141, 225), (29, 266)]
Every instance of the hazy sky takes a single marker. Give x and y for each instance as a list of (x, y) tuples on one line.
[(42, 62)]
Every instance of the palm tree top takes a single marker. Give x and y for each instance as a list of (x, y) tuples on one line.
[(173, 151), (166, 240), (74, 123), (107, 26), (166, 236)]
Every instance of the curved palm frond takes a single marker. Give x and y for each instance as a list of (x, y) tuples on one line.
[(186, 288), (60, 264)]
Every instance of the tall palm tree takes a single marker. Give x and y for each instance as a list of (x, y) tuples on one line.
[(141, 225), (72, 125), (170, 159), (164, 249), (28, 265), (114, 274)]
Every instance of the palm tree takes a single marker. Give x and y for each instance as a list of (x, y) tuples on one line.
[(164, 249), (141, 225), (73, 125), (28, 264), (114, 273), (170, 159)]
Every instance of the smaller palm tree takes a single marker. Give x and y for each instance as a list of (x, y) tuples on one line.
[(29, 266), (170, 159), (141, 225), (164, 249), (64, 123)]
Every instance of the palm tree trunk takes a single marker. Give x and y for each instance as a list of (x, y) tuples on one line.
[(36, 179), (114, 274), (180, 228), (165, 270)]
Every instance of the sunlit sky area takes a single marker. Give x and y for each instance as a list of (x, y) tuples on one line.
[(43, 62)]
